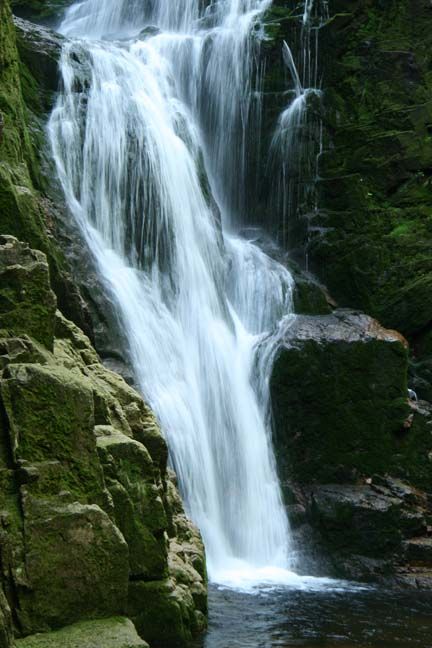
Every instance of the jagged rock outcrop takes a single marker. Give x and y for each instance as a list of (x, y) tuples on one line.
[(354, 454), (26, 212), (91, 523)]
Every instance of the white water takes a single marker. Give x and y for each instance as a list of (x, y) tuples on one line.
[(297, 139), (149, 139)]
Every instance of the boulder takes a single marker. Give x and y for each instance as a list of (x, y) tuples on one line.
[(339, 397), (138, 507), (374, 530), (164, 612)]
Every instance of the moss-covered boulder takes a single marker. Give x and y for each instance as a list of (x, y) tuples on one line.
[(354, 453), (138, 505), (51, 417), (339, 394), (164, 612), (115, 632)]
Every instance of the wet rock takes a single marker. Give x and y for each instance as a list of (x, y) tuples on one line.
[(47, 12), (339, 397), (366, 532), (40, 50)]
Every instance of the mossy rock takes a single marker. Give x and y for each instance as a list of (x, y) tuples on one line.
[(51, 417), (76, 565), (27, 303), (138, 507), (339, 395), (115, 632), (163, 613), (6, 631)]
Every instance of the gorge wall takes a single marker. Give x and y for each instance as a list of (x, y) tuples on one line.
[(343, 425), (83, 463), (93, 531)]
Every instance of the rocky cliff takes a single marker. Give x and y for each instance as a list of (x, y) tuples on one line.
[(95, 547), (366, 232), (354, 452), (92, 526), (94, 542)]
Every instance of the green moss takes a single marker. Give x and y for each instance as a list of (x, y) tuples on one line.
[(76, 564), (50, 413), (115, 632), (27, 303), (163, 613)]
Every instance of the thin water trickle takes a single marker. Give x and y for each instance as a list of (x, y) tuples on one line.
[(149, 139)]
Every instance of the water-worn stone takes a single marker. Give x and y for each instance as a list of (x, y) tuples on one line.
[(115, 632)]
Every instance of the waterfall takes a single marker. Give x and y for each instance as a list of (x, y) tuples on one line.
[(297, 139), (149, 136)]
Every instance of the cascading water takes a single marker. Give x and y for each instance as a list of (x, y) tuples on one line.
[(149, 138), (297, 140)]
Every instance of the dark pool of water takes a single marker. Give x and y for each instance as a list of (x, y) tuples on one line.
[(375, 618)]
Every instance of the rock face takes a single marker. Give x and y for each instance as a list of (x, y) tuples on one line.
[(368, 233), (27, 303), (91, 522), (338, 373), (26, 93), (40, 50), (354, 454)]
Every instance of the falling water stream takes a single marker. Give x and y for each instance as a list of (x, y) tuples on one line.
[(149, 137)]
